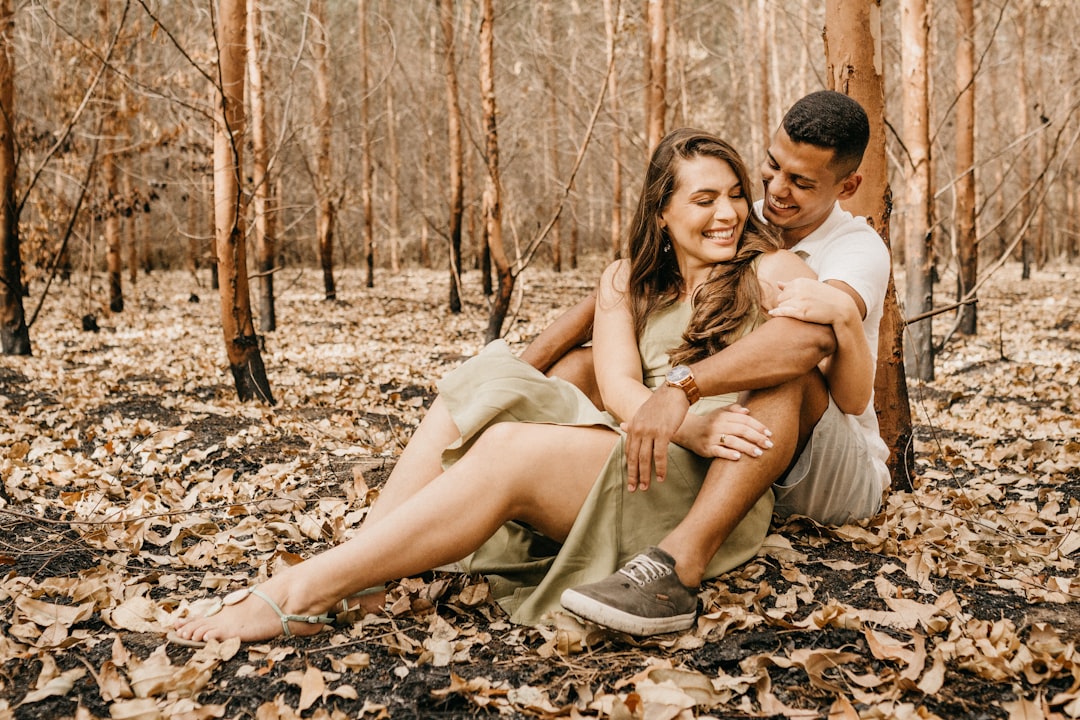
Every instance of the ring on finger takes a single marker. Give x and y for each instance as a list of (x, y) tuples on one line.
[(723, 439)]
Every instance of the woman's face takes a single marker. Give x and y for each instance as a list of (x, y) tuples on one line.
[(706, 213)]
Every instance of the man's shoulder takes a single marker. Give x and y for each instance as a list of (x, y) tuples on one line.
[(851, 233)]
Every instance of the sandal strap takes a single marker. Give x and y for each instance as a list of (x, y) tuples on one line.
[(324, 619)]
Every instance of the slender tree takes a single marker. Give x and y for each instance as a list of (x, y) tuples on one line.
[(852, 53), (492, 189), (394, 168), (456, 160), (366, 162), (1039, 231), (14, 334), (656, 87), (241, 343), (547, 22), (129, 225), (114, 257), (765, 88), (966, 249), (918, 204), (612, 17), (1023, 161), (325, 211), (262, 196)]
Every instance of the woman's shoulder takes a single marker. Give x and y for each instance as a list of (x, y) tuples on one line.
[(618, 267), (616, 277), (776, 267), (780, 265)]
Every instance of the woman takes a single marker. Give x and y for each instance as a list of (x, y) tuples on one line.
[(533, 493)]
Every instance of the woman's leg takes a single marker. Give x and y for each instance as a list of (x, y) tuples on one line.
[(540, 474), (420, 461)]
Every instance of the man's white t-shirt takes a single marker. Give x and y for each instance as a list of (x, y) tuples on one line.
[(847, 249)]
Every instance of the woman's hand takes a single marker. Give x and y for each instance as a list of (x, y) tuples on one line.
[(849, 372), (728, 432), (813, 301)]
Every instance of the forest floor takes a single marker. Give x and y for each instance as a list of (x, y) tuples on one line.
[(134, 485)]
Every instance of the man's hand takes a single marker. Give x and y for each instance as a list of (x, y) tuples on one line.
[(648, 434)]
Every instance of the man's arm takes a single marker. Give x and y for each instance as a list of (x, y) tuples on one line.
[(570, 330), (849, 372), (775, 352), (779, 350)]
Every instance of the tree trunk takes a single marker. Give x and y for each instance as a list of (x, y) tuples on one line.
[(194, 231), (425, 191), (394, 168), (114, 258), (918, 245), (130, 228), (456, 159), (765, 40), (114, 252), (492, 203), (264, 215), (324, 206), (1038, 229), (853, 52), (14, 334), (1023, 162), (128, 201), (656, 88), (366, 164), (966, 249), (241, 343), (553, 124), (612, 17)]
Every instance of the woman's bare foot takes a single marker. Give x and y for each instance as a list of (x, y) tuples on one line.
[(255, 613), (369, 602)]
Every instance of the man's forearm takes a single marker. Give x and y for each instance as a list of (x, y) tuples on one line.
[(570, 330), (779, 350)]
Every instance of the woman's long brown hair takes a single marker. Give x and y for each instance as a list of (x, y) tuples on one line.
[(731, 296)]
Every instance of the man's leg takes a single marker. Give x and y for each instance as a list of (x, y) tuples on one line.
[(576, 367), (731, 488), (653, 592)]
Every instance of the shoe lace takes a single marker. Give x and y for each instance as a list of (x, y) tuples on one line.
[(643, 569)]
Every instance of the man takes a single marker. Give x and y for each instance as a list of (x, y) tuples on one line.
[(802, 378)]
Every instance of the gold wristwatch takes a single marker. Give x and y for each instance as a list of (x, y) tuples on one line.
[(682, 377)]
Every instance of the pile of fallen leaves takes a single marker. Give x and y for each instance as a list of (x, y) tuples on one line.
[(136, 488)]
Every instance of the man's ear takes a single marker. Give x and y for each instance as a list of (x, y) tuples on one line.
[(850, 185)]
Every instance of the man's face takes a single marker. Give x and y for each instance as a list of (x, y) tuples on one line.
[(800, 187)]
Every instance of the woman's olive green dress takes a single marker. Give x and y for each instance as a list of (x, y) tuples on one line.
[(527, 571)]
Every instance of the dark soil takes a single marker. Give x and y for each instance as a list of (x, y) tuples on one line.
[(41, 540), (48, 547)]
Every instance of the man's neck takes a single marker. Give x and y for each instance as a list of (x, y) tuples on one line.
[(792, 238)]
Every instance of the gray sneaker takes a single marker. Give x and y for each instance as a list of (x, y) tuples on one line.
[(644, 597)]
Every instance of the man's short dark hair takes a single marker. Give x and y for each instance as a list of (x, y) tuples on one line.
[(831, 119)]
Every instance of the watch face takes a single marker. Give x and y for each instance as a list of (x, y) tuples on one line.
[(678, 374)]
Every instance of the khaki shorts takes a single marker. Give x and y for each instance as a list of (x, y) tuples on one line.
[(833, 480)]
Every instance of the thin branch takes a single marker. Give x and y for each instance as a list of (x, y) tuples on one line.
[(939, 311), (978, 66), (530, 251), (67, 234), (70, 126)]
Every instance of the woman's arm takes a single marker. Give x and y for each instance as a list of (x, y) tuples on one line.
[(849, 371), (615, 351)]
